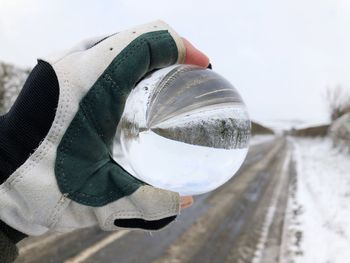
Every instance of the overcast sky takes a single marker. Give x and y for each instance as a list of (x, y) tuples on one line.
[(280, 55)]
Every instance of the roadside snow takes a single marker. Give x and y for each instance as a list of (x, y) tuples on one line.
[(257, 139), (319, 206)]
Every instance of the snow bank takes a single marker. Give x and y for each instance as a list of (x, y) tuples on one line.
[(257, 139), (320, 204)]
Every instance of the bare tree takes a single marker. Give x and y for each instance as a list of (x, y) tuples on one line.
[(338, 101)]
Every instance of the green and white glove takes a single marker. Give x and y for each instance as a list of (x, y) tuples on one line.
[(71, 180)]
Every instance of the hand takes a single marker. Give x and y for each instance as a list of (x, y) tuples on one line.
[(70, 181), (186, 202)]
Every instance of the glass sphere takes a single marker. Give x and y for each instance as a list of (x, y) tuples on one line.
[(184, 129)]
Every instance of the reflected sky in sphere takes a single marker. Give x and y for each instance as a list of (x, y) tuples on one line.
[(184, 129)]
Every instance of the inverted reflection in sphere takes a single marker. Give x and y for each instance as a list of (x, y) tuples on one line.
[(184, 129)]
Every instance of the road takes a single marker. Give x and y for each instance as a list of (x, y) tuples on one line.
[(241, 221)]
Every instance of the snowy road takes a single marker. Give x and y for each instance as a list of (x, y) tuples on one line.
[(240, 222)]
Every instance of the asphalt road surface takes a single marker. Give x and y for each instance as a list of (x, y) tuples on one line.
[(241, 221)]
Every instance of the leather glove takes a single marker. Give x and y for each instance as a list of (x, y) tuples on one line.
[(70, 180)]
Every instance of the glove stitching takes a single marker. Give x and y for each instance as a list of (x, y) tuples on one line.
[(78, 195), (87, 110), (128, 213), (55, 214), (58, 124), (172, 208), (132, 213), (66, 149), (39, 155), (61, 118), (138, 214), (118, 215)]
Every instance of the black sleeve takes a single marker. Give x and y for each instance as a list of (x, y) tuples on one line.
[(8, 249), (8, 239)]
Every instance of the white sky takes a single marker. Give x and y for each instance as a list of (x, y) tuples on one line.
[(280, 55)]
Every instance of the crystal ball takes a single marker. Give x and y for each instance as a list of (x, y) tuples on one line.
[(184, 129)]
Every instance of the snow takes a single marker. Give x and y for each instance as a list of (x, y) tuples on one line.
[(257, 139), (319, 205)]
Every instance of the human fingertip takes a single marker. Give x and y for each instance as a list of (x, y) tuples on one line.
[(186, 201), (194, 56)]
